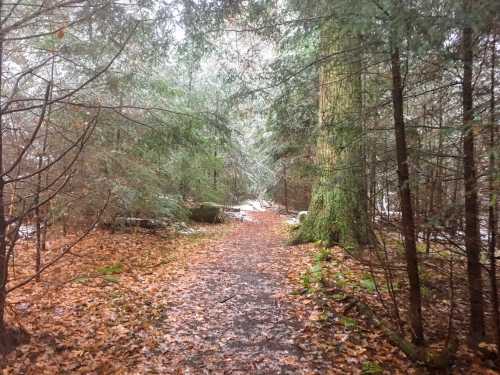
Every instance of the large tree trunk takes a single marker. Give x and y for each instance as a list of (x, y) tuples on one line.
[(338, 207), (472, 239), (408, 221)]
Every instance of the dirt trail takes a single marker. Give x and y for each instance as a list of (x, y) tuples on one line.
[(230, 312)]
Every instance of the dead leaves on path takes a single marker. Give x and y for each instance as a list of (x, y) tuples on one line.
[(230, 302), (96, 310), (229, 313)]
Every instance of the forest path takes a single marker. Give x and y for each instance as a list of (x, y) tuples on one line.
[(231, 311)]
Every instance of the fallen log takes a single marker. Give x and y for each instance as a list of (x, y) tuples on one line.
[(138, 222), (232, 209)]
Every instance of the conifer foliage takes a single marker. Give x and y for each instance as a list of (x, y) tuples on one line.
[(378, 117)]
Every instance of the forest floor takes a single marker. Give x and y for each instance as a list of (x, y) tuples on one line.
[(229, 301)]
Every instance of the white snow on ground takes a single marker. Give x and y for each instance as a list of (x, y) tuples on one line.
[(254, 205), (241, 216), (296, 220), (248, 206), (26, 231)]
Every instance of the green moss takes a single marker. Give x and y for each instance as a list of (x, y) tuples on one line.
[(339, 296), (323, 255), (306, 280), (348, 322), (426, 292), (111, 278), (340, 280), (332, 219), (113, 269), (320, 223), (421, 248), (368, 283), (338, 210), (314, 278), (371, 368), (81, 279)]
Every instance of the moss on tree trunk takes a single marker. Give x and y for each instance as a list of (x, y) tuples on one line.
[(338, 210)]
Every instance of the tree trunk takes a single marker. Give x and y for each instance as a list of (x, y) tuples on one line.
[(387, 184), (38, 222), (373, 184), (215, 171), (408, 221), (4, 262), (39, 217), (338, 207), (3, 227), (285, 188), (472, 239), (493, 203)]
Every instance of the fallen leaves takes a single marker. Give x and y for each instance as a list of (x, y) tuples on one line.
[(95, 311), (231, 301)]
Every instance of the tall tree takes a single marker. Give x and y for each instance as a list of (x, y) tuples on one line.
[(407, 214), (472, 238), (492, 196), (338, 208)]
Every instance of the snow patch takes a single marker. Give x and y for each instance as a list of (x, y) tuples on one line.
[(27, 231), (240, 216), (254, 205)]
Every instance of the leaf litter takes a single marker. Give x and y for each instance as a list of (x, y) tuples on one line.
[(223, 302)]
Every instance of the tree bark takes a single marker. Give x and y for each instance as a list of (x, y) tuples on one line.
[(493, 202), (3, 226), (408, 221), (338, 209), (472, 239), (215, 171), (285, 188)]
